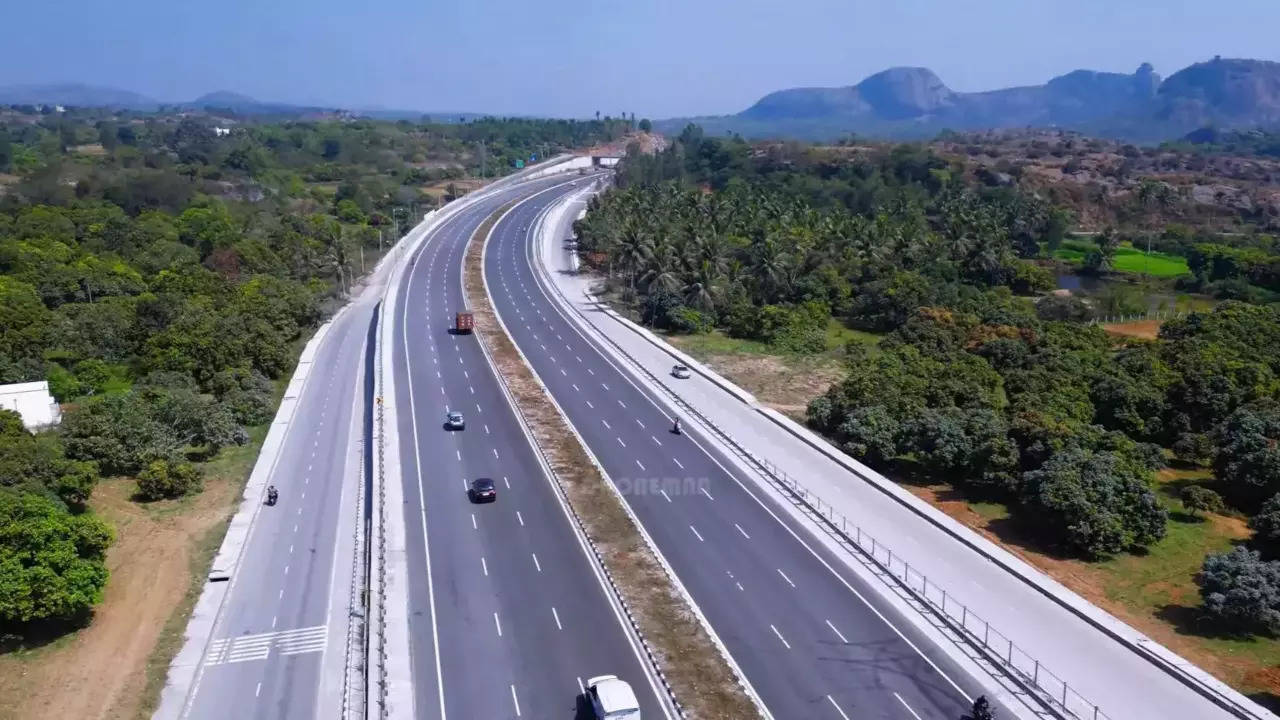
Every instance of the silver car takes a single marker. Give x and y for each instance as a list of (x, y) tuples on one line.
[(454, 421), (681, 371)]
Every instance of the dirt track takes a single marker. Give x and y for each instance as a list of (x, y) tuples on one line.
[(102, 670)]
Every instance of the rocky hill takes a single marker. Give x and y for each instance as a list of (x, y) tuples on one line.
[(914, 102), (75, 94)]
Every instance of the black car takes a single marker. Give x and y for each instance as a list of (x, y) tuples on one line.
[(482, 490)]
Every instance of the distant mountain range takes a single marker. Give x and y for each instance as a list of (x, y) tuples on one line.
[(79, 95), (911, 102)]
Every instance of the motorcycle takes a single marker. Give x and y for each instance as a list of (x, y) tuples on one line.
[(272, 495), (675, 429)]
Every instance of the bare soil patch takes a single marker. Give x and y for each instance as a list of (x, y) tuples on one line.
[(93, 150), (702, 680), (1145, 329), (784, 385), (102, 671)]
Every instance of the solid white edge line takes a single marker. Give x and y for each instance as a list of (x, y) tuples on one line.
[(626, 375), (417, 459), (665, 699), (837, 707), (908, 707)]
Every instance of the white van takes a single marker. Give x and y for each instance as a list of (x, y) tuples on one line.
[(612, 699)]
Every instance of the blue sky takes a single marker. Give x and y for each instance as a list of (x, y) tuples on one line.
[(657, 58)]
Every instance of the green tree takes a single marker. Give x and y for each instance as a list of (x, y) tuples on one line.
[(52, 564), (1266, 522), (24, 331), (108, 135), (1097, 503), (207, 228), (645, 125), (6, 149), (1241, 590), (1247, 455)]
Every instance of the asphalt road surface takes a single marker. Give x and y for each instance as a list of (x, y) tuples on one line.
[(279, 640), (812, 639), (507, 618)]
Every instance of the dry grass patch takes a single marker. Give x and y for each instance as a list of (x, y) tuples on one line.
[(702, 680), (784, 382)]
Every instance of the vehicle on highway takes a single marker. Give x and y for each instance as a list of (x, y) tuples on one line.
[(612, 699), (453, 420), (482, 490), (463, 323), (272, 495), (680, 371)]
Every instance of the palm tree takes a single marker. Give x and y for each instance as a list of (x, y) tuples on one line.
[(703, 290), (769, 268), (662, 271), (633, 251)]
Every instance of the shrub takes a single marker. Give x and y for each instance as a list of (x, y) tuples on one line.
[(168, 479), (657, 309), (1198, 499), (742, 320), (684, 319), (1065, 308), (1241, 590)]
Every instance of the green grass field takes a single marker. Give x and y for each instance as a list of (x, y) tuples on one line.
[(1132, 260), (1128, 259), (717, 342)]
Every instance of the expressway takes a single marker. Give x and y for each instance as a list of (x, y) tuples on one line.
[(507, 616), (279, 639), (811, 638)]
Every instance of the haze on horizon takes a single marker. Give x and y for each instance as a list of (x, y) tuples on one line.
[(657, 58)]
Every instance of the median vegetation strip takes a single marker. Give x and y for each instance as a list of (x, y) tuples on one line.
[(699, 675)]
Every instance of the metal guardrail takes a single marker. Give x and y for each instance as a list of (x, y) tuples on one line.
[(377, 628), (354, 685), (1049, 687)]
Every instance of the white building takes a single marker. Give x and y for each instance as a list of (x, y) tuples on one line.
[(33, 402), (221, 131)]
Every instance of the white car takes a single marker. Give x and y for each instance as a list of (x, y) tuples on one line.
[(680, 371), (612, 699)]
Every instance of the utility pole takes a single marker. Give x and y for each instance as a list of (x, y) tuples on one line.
[(362, 258)]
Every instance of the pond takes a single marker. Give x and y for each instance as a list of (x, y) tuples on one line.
[(1156, 297), (1076, 283)]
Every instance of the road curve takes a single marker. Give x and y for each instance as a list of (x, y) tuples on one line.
[(507, 617), (812, 639)]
